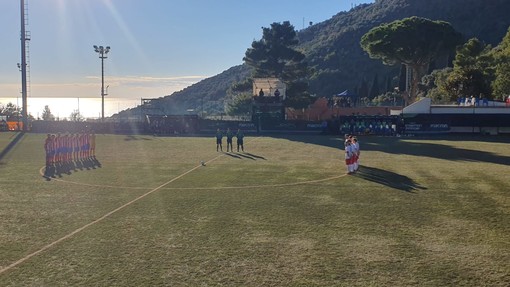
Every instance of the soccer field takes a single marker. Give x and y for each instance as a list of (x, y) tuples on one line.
[(420, 212)]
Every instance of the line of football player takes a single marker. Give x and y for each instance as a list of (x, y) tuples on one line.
[(66, 148)]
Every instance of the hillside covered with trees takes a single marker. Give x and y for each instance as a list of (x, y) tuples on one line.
[(336, 59)]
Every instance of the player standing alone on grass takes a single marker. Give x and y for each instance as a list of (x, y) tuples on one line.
[(240, 141), (219, 138)]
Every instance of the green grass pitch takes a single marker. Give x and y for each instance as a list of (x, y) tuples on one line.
[(421, 212)]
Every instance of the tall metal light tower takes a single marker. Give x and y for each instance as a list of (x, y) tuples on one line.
[(102, 55), (23, 66)]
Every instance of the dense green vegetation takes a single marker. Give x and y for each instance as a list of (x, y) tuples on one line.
[(501, 83), (478, 70), (415, 42)]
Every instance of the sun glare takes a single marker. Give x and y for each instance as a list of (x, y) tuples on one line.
[(123, 26)]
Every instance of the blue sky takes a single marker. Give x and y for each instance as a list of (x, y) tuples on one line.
[(157, 46)]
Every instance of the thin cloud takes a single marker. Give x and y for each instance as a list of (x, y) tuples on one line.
[(170, 83), (150, 79), (124, 86)]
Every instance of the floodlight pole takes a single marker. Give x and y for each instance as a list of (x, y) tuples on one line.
[(102, 51), (23, 68)]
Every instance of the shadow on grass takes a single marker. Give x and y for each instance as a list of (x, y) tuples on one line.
[(61, 169), (389, 179), (416, 146), (439, 151), (232, 155), (245, 155), (136, 138), (17, 138), (255, 156)]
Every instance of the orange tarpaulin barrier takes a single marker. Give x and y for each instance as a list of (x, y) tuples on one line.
[(14, 126)]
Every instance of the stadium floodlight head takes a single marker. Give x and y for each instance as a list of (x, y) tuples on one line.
[(102, 51)]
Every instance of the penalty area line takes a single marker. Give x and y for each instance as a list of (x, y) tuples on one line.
[(48, 246)]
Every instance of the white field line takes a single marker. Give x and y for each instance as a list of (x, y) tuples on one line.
[(202, 188), (18, 262)]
